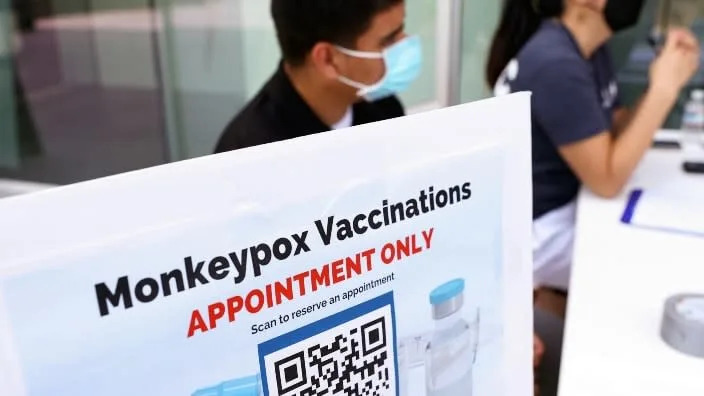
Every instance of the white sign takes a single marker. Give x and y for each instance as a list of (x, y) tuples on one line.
[(386, 259)]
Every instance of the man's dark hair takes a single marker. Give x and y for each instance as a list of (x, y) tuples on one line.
[(300, 24)]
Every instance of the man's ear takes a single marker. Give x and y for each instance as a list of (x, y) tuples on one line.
[(325, 57)]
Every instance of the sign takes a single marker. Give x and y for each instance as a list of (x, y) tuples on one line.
[(386, 259)]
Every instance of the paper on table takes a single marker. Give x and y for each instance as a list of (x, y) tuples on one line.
[(666, 210)]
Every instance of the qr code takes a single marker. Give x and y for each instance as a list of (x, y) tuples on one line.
[(352, 353)]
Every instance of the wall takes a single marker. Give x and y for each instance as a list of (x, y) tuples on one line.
[(479, 22), (9, 155)]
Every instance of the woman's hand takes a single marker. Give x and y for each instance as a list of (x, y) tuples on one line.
[(677, 63)]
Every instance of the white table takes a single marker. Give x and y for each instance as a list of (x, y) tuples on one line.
[(621, 279), (10, 188)]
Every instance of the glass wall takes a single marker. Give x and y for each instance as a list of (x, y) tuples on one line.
[(479, 21), (79, 89), (9, 145), (90, 88)]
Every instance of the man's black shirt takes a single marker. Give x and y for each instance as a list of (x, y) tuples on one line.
[(278, 112)]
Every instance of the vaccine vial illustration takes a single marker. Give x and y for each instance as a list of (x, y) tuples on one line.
[(451, 351), (247, 386)]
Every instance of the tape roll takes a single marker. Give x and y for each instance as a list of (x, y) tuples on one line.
[(683, 324)]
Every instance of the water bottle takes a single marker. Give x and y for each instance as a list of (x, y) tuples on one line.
[(693, 128), (452, 348)]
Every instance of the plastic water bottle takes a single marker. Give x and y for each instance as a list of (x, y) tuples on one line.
[(450, 354), (693, 128)]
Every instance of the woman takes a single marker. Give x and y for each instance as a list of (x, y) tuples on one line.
[(581, 134)]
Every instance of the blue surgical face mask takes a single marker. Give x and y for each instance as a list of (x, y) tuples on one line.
[(403, 61)]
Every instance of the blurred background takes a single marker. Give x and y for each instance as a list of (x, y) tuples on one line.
[(91, 88)]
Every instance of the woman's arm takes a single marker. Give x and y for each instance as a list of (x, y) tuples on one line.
[(605, 162), (622, 116)]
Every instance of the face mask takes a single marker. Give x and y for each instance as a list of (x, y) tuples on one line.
[(403, 62), (622, 14)]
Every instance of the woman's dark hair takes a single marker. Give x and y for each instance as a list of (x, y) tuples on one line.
[(520, 19), (300, 24)]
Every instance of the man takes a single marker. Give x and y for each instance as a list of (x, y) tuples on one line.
[(343, 63)]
